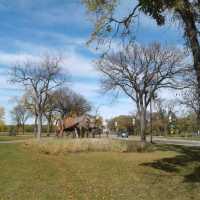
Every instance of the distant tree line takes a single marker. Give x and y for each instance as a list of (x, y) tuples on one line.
[(161, 126)]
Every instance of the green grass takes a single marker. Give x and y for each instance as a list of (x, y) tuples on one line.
[(11, 138), (168, 173)]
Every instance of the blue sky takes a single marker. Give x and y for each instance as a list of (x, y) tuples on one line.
[(31, 28)]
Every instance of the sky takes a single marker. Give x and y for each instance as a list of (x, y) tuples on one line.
[(32, 28)]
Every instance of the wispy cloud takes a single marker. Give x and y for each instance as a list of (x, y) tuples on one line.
[(9, 59), (32, 28)]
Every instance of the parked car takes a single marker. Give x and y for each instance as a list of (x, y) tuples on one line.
[(124, 135)]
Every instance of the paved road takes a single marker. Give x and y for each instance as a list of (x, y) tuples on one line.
[(162, 140), (12, 141), (192, 143)]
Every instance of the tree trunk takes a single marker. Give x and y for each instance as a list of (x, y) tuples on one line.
[(143, 124), (48, 127), (39, 127), (35, 125), (23, 128), (17, 131), (49, 124), (191, 33)]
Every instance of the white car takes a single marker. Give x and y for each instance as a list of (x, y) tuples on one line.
[(124, 135)]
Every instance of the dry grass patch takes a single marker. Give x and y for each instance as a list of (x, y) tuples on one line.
[(57, 146)]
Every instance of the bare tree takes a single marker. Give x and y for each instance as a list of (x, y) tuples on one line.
[(20, 115), (139, 72), (29, 104), (191, 100), (50, 112), (66, 101), (41, 77), (190, 97)]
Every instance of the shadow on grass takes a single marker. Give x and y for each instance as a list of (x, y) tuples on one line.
[(186, 163)]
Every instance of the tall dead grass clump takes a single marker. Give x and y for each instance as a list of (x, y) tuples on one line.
[(58, 146)]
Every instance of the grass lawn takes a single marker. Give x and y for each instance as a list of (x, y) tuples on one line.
[(11, 138), (170, 173)]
